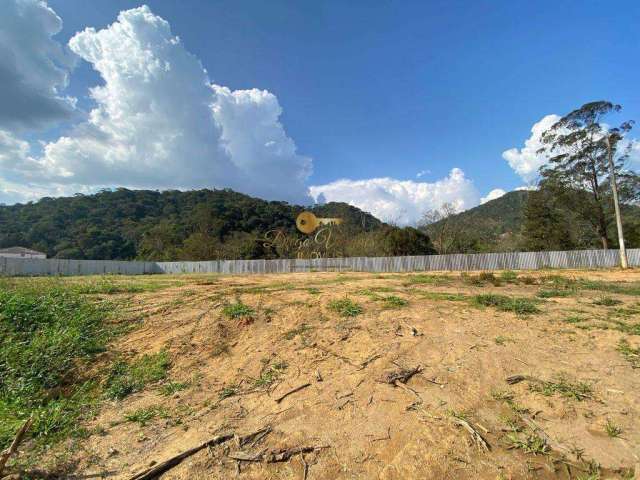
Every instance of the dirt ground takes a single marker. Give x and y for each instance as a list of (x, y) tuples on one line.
[(575, 414)]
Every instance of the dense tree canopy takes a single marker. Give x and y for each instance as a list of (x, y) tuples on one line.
[(194, 225)]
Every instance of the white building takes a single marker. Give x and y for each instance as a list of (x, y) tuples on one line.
[(21, 252)]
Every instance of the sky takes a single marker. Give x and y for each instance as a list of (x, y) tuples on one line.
[(394, 107)]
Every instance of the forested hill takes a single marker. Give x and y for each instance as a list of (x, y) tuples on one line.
[(127, 224), (500, 225)]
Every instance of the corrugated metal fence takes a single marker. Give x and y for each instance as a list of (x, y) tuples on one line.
[(456, 262)]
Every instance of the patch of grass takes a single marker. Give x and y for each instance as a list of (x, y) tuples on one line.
[(577, 391), (502, 395), (142, 416), (48, 335), (346, 307), (607, 301), (449, 297), (313, 291), (301, 329), (170, 388), (393, 301), (632, 355), (624, 288), (238, 310), (518, 305), (500, 340), (509, 276), (423, 279), (528, 443), (126, 378), (555, 292), (228, 391), (612, 429), (270, 373)]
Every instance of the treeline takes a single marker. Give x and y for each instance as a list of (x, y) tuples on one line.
[(572, 206), (194, 225)]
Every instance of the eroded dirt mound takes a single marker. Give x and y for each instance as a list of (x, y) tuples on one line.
[(381, 376)]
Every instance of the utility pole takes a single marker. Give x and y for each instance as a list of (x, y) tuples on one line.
[(616, 203)]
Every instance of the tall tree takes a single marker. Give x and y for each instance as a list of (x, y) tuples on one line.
[(578, 146)]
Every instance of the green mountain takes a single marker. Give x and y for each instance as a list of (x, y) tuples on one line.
[(127, 224)]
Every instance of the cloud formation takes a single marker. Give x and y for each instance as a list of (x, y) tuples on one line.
[(160, 123), (401, 201), (34, 68), (492, 195), (526, 161)]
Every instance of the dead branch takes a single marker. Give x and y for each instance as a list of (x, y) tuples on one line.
[(160, 468), (513, 379), (475, 435), (372, 358), (6, 454), (402, 375), (274, 456), (294, 390), (253, 438)]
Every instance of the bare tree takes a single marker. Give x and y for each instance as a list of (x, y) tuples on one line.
[(443, 229)]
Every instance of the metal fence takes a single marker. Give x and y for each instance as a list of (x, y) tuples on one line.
[(453, 262)]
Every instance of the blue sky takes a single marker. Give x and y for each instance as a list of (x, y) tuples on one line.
[(390, 89)]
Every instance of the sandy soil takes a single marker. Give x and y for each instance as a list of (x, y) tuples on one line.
[(370, 428)]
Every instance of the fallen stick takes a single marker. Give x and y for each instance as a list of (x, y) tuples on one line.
[(6, 454), (475, 435), (294, 390), (160, 468), (274, 456), (402, 375)]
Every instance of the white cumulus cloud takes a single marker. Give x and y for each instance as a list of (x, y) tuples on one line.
[(158, 122), (526, 161), (400, 201), (34, 67), (492, 195)]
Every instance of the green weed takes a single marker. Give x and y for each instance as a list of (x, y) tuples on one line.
[(126, 378), (632, 355), (607, 301), (578, 390), (518, 305), (612, 429), (238, 310), (345, 307), (142, 416), (393, 301), (48, 334), (170, 388)]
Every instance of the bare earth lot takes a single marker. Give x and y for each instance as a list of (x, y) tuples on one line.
[(236, 344)]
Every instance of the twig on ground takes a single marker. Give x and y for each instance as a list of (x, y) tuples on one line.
[(6, 454), (475, 435), (294, 390), (274, 456), (386, 437), (254, 437), (160, 468), (372, 358), (402, 375)]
